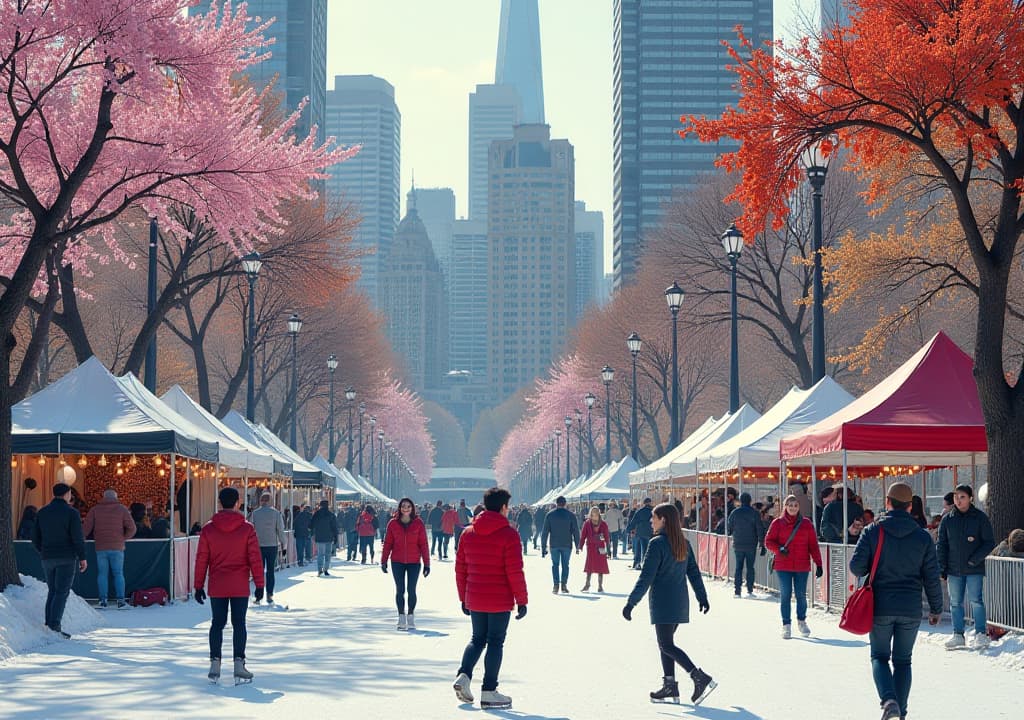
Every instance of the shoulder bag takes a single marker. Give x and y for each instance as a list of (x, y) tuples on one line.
[(859, 613), (771, 559)]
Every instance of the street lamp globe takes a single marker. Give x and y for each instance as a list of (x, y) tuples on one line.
[(294, 324), (350, 393), (607, 374), (568, 422), (732, 242), (634, 343), (816, 156), (589, 399), (251, 264), (332, 362), (373, 421), (674, 297)]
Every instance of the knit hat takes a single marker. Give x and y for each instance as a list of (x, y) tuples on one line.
[(900, 492)]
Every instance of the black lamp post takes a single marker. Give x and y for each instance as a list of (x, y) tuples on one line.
[(589, 399), (294, 325), (332, 365), (150, 376), (568, 433), (362, 411), (674, 298), (373, 426), (380, 472), (350, 395), (732, 241), (552, 471), (558, 454), (251, 263), (815, 162), (634, 343), (607, 375), (579, 440)]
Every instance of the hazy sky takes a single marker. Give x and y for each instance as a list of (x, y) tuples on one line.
[(436, 51)]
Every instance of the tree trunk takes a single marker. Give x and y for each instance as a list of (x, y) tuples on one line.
[(8, 564), (70, 319)]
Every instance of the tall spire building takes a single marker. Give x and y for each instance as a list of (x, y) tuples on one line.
[(518, 62)]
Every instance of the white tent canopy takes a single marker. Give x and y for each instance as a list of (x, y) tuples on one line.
[(659, 469), (614, 481), (344, 485), (368, 489), (254, 432), (685, 465), (548, 497), (758, 445)]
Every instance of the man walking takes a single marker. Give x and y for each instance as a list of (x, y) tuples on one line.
[(465, 516), (538, 523), (747, 530), (270, 533), (833, 529), (906, 565), (324, 528), (57, 537), (434, 520), (348, 524), (561, 526), (965, 539), (110, 524), (300, 528), (490, 580), (640, 523), (613, 516), (229, 553)]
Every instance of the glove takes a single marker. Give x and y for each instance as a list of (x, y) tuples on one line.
[(763, 550), (783, 550), (258, 594), (199, 595), (384, 568), (577, 551), (627, 612), (426, 570), (704, 606), (544, 553), (819, 571), (521, 613), (943, 576), (465, 610)]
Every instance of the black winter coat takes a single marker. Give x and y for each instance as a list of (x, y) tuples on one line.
[(434, 519), (349, 520), (746, 528), (965, 539), (300, 525), (640, 521), (57, 534), (324, 526), (561, 526), (907, 565), (832, 530), (666, 578)]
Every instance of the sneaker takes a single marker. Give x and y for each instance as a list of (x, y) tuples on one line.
[(270, 600), (750, 593), (403, 624), (410, 622), (804, 630), (890, 710), (565, 588), (121, 604), (102, 605), (980, 641), (494, 699), (736, 594), (326, 574), (787, 632), (462, 691), (956, 642), (554, 588)]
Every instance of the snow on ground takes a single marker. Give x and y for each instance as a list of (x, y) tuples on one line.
[(21, 618), (336, 652)]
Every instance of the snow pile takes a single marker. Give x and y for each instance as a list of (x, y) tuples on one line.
[(1007, 651), (21, 617)]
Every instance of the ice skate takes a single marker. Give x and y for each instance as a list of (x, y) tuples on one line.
[(669, 692), (787, 632), (494, 699), (214, 674), (890, 710), (403, 623), (242, 676), (410, 622), (462, 691), (804, 630), (702, 685), (956, 642)]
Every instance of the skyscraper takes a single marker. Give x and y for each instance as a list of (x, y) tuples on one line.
[(531, 256), (589, 257), (493, 111), (436, 208), (361, 110), (298, 57), (668, 61), (467, 300), (518, 62)]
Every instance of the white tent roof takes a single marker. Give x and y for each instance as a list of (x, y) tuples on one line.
[(548, 497), (235, 451), (686, 464), (758, 445), (368, 489), (344, 483), (614, 481), (254, 432), (659, 469)]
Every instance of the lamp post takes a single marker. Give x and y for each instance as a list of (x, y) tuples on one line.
[(558, 454), (589, 399), (634, 343), (607, 375), (373, 426), (380, 473), (552, 472), (815, 161), (362, 411), (674, 298), (732, 241), (579, 440), (294, 325), (150, 376), (568, 434), (251, 263), (350, 395), (332, 365)]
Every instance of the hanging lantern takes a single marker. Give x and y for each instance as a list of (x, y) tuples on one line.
[(68, 475), (102, 462), (120, 470), (133, 461), (61, 460), (82, 462), (157, 460), (42, 460), (14, 462)]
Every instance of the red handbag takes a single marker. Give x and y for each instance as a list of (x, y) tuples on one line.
[(859, 613)]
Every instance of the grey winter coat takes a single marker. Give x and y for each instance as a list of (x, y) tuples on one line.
[(269, 526)]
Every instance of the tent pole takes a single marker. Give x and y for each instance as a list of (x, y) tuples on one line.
[(974, 472), (187, 511), (846, 524), (171, 575)]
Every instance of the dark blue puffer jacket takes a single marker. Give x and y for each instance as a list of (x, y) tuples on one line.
[(666, 577)]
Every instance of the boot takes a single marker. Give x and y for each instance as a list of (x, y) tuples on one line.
[(554, 588), (462, 691), (403, 623), (669, 691), (494, 699), (241, 674), (600, 586), (702, 685), (585, 588), (410, 622), (214, 673), (565, 588)]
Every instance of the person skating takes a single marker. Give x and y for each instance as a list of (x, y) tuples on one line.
[(668, 563), (795, 544), (405, 544), (57, 537), (561, 528), (229, 553), (490, 580), (269, 524), (324, 529), (597, 539)]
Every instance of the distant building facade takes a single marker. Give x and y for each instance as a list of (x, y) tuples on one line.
[(493, 111), (589, 257), (436, 208), (467, 302), (519, 63)]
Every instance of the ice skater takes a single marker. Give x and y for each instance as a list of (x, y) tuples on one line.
[(405, 544), (668, 564)]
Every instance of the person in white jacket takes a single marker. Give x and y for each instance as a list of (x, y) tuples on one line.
[(269, 526), (613, 518)]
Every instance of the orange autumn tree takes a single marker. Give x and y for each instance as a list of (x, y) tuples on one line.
[(935, 85)]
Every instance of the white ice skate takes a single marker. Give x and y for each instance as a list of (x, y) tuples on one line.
[(403, 623), (462, 691), (410, 623), (214, 674), (242, 676), (494, 699)]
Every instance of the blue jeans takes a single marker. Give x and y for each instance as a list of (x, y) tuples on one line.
[(893, 636), (489, 631), (790, 584), (323, 555), (615, 543), (745, 558), (639, 549), (560, 557), (60, 575), (971, 585), (110, 561), (302, 548)]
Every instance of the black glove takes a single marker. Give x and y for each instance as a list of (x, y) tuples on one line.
[(384, 568), (763, 550), (199, 595), (819, 571), (783, 550), (465, 610), (258, 594), (704, 606), (943, 576), (627, 612), (426, 570), (521, 613), (544, 552)]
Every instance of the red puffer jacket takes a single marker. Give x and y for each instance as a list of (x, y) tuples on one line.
[(448, 522), (230, 552), (406, 543), (489, 565), (802, 549)]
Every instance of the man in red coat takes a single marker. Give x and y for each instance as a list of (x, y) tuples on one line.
[(490, 579), (230, 552)]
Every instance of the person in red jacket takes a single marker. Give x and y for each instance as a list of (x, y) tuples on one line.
[(229, 552), (405, 543), (449, 519), (489, 576), (795, 544)]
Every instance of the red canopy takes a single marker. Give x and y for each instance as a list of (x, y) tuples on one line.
[(926, 412)]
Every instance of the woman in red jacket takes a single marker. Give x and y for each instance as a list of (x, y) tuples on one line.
[(793, 541), (597, 539), (405, 543), (229, 551)]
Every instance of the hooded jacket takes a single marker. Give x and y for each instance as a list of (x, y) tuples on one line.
[(230, 553), (110, 524), (406, 543), (964, 541), (489, 565), (801, 549)]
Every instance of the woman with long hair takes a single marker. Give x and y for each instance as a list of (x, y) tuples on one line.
[(597, 539), (917, 511), (667, 566), (405, 543), (366, 528), (795, 544)]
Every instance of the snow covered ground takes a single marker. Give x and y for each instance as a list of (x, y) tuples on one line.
[(336, 652)]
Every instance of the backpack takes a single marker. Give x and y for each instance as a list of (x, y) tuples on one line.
[(149, 596)]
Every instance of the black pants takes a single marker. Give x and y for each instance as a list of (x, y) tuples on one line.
[(670, 654), (488, 632), (442, 547), (365, 543), (458, 534), (219, 607), (269, 555), (351, 543), (60, 576), (406, 576), (744, 558)]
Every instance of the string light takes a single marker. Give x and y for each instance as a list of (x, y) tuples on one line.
[(120, 470), (61, 460), (161, 472), (82, 462), (157, 460), (102, 462), (133, 461), (41, 460), (14, 462)]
